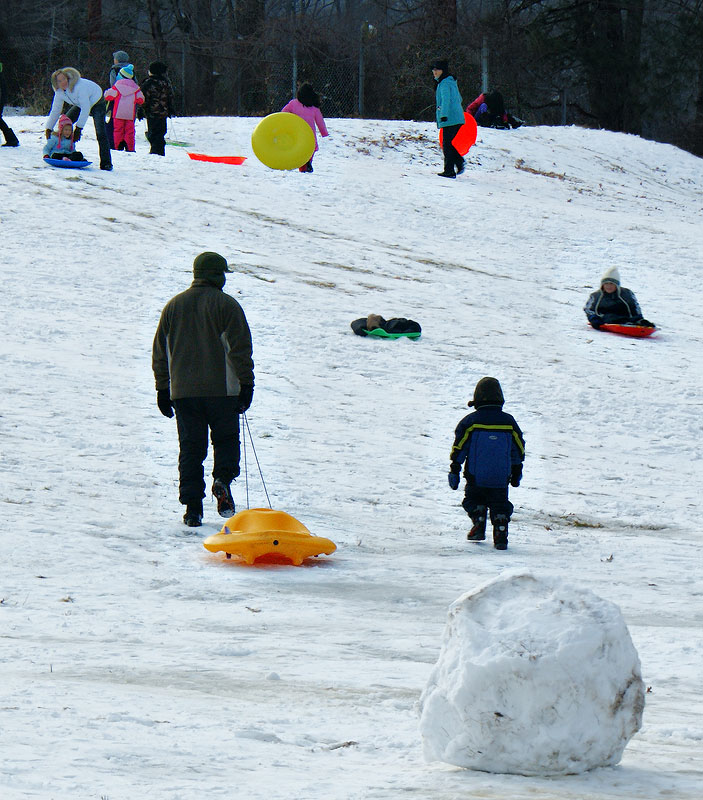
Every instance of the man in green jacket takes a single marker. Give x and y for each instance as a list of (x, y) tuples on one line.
[(202, 362)]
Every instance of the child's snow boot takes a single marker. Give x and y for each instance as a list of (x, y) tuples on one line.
[(193, 517), (225, 502), (500, 532), (478, 532)]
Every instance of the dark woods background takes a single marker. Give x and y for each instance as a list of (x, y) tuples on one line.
[(634, 66)]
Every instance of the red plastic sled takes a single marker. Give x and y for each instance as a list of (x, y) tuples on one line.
[(217, 159), (465, 137), (638, 331)]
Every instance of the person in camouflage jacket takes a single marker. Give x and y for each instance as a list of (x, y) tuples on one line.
[(158, 106)]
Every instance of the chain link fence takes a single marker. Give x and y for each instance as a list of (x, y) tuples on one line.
[(216, 78)]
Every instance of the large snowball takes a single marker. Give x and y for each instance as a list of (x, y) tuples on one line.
[(535, 677)]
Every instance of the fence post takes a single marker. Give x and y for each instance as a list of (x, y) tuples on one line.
[(183, 76), (484, 64), (361, 71), (294, 78)]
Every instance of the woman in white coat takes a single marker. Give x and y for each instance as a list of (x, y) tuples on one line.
[(85, 99)]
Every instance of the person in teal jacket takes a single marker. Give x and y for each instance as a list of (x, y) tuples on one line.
[(450, 116)]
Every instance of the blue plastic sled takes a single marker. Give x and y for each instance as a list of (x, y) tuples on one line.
[(59, 162)]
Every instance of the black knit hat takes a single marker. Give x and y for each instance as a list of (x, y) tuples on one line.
[(209, 263), (440, 63), (158, 69), (487, 393)]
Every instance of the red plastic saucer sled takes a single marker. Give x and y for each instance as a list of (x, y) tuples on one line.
[(638, 331), (465, 137)]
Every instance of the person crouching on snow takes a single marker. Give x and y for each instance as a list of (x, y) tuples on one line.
[(491, 445), (306, 105), (126, 95), (613, 304), (60, 144)]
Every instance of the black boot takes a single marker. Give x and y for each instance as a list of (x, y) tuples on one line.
[(500, 532), (478, 532), (193, 517), (225, 502), (10, 139)]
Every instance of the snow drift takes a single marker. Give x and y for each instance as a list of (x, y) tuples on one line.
[(535, 677)]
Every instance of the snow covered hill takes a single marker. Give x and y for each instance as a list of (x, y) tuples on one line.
[(134, 660)]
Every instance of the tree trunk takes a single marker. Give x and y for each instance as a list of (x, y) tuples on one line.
[(610, 35), (156, 30), (95, 14)]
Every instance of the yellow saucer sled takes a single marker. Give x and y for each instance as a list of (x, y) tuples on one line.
[(264, 535)]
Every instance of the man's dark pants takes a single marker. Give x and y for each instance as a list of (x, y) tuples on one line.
[(194, 416)]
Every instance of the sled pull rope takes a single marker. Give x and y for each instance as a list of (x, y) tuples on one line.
[(256, 458), (243, 439)]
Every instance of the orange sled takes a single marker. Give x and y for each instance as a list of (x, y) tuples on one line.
[(218, 159), (262, 535)]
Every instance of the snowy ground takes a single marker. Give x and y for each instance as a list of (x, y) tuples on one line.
[(134, 661)]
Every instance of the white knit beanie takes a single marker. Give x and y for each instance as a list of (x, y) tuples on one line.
[(611, 275)]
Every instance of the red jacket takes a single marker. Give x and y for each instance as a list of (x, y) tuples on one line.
[(473, 107)]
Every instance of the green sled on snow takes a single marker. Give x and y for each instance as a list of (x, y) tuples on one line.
[(379, 333)]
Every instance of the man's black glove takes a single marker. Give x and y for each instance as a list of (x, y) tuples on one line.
[(163, 401), (246, 393), (77, 133), (140, 114), (453, 478), (516, 475), (596, 322)]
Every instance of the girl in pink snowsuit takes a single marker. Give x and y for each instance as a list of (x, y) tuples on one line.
[(127, 97), (307, 106)]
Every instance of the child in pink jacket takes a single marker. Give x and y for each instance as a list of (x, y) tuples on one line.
[(127, 96), (307, 106)]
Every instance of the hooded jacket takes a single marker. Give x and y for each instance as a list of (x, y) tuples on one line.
[(618, 306), (450, 110), (489, 442), (80, 92), (158, 97), (311, 114), (127, 96), (202, 346)]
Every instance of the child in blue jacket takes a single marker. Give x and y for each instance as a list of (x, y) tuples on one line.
[(491, 445), (60, 143)]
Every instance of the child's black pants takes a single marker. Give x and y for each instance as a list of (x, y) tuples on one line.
[(494, 499)]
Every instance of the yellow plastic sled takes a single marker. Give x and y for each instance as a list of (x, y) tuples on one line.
[(262, 535)]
